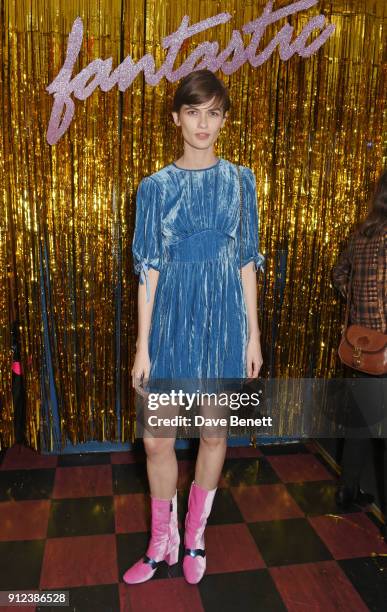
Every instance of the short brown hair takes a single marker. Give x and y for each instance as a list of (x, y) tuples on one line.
[(198, 87), (377, 216)]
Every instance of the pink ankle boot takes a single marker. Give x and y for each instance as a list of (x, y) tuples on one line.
[(164, 542), (199, 507)]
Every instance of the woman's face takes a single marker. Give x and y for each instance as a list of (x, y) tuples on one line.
[(200, 124)]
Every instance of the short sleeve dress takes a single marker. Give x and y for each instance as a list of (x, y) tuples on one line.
[(187, 228)]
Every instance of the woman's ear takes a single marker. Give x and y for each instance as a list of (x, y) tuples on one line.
[(176, 118), (224, 118)]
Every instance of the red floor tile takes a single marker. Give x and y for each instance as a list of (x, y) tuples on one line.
[(265, 503), (83, 481), (299, 468), (316, 586), (20, 457), (124, 457), (79, 561), (24, 520), (132, 512), (312, 446), (124, 595), (349, 535), (13, 608), (237, 452), (231, 548), (160, 595)]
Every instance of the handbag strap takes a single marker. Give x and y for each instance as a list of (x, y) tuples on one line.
[(240, 218)]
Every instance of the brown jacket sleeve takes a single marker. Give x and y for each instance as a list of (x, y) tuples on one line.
[(341, 272)]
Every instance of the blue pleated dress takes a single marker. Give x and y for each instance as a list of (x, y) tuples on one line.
[(187, 228)]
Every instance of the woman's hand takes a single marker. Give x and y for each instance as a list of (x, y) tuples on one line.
[(141, 366), (253, 358)]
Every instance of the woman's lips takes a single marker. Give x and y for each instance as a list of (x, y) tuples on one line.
[(202, 135)]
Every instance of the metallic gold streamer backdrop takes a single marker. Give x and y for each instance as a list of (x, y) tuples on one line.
[(311, 129)]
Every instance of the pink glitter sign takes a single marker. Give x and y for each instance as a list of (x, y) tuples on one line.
[(99, 72)]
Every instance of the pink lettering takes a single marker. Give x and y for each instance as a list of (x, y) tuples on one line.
[(99, 72)]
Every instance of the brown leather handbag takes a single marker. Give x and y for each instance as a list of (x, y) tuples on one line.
[(362, 348)]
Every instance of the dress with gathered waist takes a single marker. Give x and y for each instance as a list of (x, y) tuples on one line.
[(187, 228)]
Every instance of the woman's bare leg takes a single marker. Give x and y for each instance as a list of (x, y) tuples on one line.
[(161, 466), (210, 460), (213, 445)]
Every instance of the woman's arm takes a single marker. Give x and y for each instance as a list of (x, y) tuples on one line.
[(341, 272), (253, 354), (146, 249), (141, 366), (251, 262)]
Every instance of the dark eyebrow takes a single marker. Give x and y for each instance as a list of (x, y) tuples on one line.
[(196, 108)]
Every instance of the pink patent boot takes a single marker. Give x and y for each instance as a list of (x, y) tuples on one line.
[(164, 542), (199, 507)]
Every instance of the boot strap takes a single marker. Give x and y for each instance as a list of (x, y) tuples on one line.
[(151, 562), (194, 552)]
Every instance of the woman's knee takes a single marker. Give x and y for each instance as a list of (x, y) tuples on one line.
[(158, 447), (212, 442)]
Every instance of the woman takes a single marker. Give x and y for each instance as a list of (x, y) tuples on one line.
[(367, 253), (196, 317)]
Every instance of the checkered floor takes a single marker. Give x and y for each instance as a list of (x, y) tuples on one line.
[(275, 539)]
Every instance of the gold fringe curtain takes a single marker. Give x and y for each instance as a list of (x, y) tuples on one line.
[(311, 129)]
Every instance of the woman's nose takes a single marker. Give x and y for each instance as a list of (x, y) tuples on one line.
[(203, 121)]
